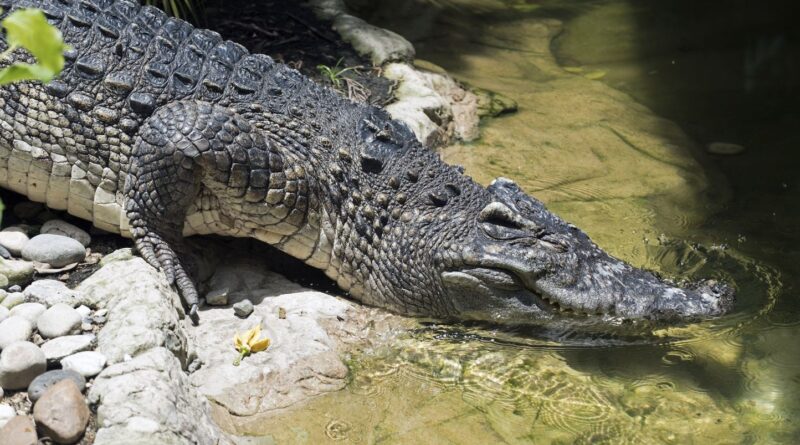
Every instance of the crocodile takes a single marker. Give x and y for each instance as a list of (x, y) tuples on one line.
[(158, 130)]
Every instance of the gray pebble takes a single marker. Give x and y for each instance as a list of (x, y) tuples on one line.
[(28, 311), (15, 288), (14, 329), (87, 363), (40, 384), (243, 309), (63, 228), (55, 250), (20, 363), (59, 320), (4, 253)]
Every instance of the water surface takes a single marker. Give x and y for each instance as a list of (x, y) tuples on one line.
[(617, 104)]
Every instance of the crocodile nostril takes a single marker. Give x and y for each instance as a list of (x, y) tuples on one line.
[(499, 214)]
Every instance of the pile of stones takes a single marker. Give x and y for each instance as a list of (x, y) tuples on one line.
[(47, 336)]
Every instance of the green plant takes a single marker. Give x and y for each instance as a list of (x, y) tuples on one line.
[(193, 10), (28, 29), (334, 74)]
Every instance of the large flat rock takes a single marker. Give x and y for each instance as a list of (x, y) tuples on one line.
[(310, 334)]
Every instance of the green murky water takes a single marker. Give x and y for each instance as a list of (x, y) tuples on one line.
[(618, 101)]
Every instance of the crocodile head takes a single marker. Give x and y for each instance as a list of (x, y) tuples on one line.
[(520, 262)]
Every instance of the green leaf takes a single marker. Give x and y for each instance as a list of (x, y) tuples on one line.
[(28, 28)]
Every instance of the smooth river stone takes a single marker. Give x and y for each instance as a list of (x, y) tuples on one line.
[(59, 320), (20, 363), (55, 250), (20, 430), (58, 348), (63, 228), (42, 383), (87, 363), (14, 240), (14, 329), (7, 412), (61, 413), (28, 311)]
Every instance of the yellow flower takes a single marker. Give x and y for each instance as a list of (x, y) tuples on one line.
[(249, 343)]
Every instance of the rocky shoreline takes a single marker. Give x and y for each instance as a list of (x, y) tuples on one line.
[(95, 346)]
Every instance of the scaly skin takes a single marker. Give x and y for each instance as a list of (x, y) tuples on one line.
[(159, 130)]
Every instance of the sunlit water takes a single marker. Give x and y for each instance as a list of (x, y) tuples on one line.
[(617, 102)]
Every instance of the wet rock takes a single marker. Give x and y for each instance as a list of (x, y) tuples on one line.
[(434, 106), (61, 412), (58, 348), (16, 271), (153, 386), (123, 254), (51, 292), (58, 321), (14, 329), (724, 148), (7, 412), (28, 311), (20, 430), (86, 363), (141, 309), (63, 228), (3, 313), (243, 309), (43, 382), (20, 363), (12, 299), (13, 239), (55, 250)]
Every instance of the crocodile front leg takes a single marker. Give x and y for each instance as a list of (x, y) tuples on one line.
[(182, 147)]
